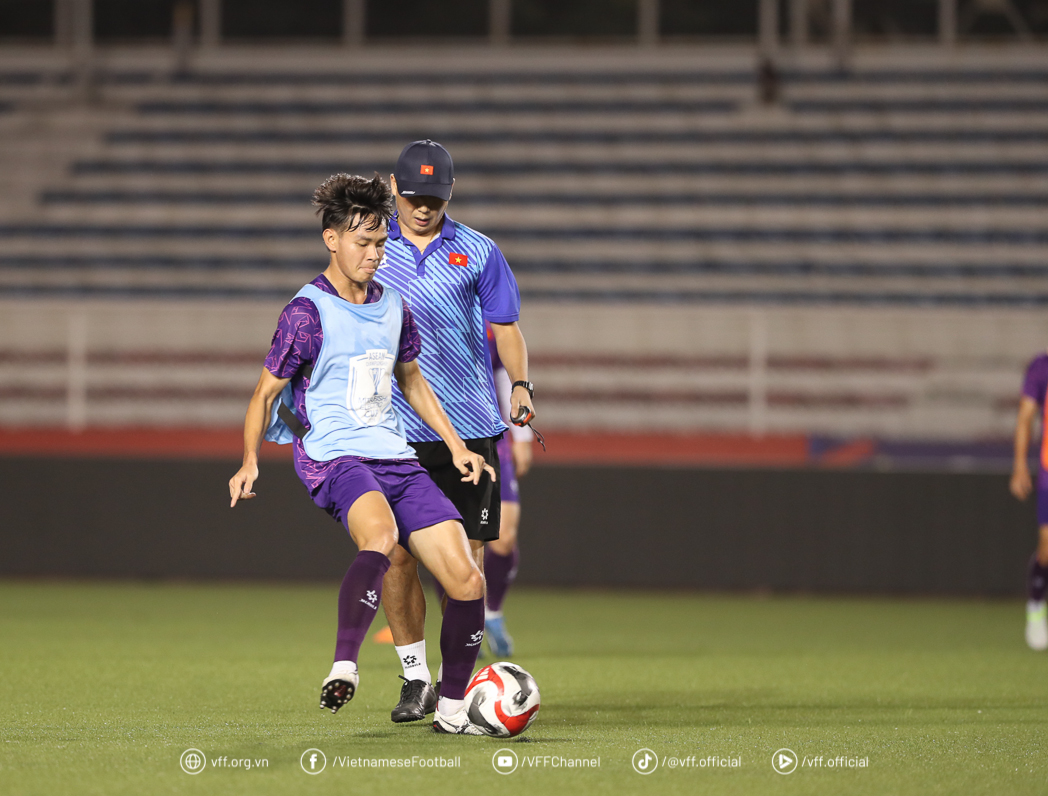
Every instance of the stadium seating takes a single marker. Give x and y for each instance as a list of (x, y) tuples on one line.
[(866, 256)]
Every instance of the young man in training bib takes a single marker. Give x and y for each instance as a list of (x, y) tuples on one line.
[(327, 388)]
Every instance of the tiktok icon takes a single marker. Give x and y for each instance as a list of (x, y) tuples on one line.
[(645, 761)]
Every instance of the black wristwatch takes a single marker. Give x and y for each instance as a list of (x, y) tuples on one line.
[(527, 385)]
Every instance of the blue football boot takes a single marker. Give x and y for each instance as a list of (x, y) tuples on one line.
[(499, 641)]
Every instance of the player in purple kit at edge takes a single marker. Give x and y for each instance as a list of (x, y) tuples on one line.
[(502, 555), (327, 387), (1032, 404), (454, 280)]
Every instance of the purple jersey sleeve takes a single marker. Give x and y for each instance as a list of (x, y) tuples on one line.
[(498, 291), (1035, 385), (297, 339), (410, 341)]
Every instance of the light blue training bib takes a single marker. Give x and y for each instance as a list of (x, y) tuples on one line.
[(349, 403)]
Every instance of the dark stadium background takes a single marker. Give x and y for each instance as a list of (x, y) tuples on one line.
[(146, 20), (714, 505), (782, 265)]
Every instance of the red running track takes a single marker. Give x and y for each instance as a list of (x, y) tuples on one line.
[(563, 447)]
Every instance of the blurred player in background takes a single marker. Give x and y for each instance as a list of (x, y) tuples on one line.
[(454, 279), (1032, 404), (327, 386), (502, 555)]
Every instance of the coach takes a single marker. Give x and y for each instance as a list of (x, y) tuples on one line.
[(454, 279)]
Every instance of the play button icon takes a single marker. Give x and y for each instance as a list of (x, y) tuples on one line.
[(784, 761)]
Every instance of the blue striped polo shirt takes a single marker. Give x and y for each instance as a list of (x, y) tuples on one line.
[(458, 282)]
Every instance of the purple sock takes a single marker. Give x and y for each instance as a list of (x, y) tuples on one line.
[(499, 571), (1037, 579), (358, 601), (460, 637)]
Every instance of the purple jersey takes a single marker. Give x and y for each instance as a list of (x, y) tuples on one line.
[(297, 342), (1035, 385)]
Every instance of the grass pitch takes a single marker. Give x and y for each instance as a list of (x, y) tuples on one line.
[(103, 687)]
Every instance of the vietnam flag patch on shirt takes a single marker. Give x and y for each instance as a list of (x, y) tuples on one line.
[(458, 259)]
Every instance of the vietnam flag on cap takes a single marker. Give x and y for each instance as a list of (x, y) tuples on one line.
[(458, 259), (425, 170)]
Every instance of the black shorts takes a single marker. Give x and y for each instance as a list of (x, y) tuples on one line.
[(480, 505)]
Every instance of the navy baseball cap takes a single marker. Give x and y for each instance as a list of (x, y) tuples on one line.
[(424, 168)]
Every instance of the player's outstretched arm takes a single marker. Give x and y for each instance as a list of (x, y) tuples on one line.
[(513, 352), (423, 400), (255, 423), (1021, 484)]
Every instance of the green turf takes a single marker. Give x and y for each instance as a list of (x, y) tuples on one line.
[(103, 686)]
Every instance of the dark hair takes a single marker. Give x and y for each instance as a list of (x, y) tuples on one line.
[(343, 201)]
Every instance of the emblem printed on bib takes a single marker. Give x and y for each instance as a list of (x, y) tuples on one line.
[(371, 386)]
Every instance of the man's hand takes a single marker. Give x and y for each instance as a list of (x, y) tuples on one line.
[(471, 465), (518, 398), (1021, 486), (241, 483), (522, 455)]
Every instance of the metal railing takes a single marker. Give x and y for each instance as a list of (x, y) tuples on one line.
[(78, 378)]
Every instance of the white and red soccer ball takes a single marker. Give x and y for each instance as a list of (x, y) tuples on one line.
[(502, 700)]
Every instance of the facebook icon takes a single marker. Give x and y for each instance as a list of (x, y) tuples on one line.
[(313, 761)]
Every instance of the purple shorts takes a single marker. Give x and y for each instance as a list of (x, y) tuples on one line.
[(510, 489), (415, 500)]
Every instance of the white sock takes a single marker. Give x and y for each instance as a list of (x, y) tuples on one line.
[(413, 659), (440, 672), (489, 615), (1034, 605), (342, 669), (449, 707)]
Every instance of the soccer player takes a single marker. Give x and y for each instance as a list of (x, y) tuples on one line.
[(454, 279), (502, 555), (1031, 404), (327, 386)]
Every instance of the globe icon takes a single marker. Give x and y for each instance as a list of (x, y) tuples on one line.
[(193, 761)]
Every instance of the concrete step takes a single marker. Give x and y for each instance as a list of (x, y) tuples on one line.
[(620, 186), (736, 155), (667, 254), (704, 287), (772, 123), (687, 233), (564, 167), (540, 218)]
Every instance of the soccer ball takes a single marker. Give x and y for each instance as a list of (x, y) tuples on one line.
[(502, 700)]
